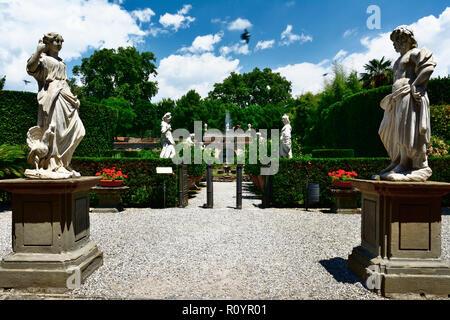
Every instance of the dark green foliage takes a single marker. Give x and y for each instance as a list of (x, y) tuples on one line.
[(2, 82), (20, 109), (290, 182), (125, 112), (100, 124), (439, 91), (19, 113), (118, 154), (12, 165), (440, 121), (118, 73), (146, 187), (354, 122), (333, 153), (253, 88)]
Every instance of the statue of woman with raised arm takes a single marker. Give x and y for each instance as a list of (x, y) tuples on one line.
[(167, 141), (405, 129), (59, 129)]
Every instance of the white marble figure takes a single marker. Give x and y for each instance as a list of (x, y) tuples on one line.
[(206, 127), (168, 150), (59, 129), (285, 141), (405, 128), (249, 127)]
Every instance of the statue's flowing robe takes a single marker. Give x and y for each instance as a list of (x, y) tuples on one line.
[(406, 123), (286, 143), (58, 111)]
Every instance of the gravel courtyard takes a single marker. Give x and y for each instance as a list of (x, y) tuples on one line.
[(220, 253)]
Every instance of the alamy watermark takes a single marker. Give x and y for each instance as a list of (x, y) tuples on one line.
[(233, 143), (374, 20)]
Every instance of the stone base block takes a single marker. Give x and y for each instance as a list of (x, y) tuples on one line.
[(37, 270), (401, 278), (400, 250)]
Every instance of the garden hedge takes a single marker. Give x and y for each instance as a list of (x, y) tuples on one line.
[(290, 182), (333, 153), (146, 186), (353, 123), (19, 111)]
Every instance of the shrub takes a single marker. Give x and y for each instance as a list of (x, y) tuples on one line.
[(146, 186), (440, 121), (439, 91), (117, 154), (333, 153), (290, 182)]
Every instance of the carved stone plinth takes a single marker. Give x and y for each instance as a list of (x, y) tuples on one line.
[(50, 233), (400, 251), (108, 199), (345, 201)]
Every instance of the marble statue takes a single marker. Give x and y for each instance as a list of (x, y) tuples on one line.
[(249, 127), (59, 130), (285, 141), (405, 128), (168, 144), (206, 127)]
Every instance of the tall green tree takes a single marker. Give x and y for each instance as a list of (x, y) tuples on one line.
[(253, 88), (118, 73), (126, 114), (2, 82), (378, 73)]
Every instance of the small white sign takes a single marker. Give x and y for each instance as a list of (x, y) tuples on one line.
[(164, 170)]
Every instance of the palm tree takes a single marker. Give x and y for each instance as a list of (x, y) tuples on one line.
[(379, 73)]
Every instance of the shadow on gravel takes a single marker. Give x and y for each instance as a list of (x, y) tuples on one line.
[(337, 267)]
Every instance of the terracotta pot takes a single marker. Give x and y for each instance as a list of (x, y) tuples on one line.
[(257, 181), (111, 183), (342, 184)]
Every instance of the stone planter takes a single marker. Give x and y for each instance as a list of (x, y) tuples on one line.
[(108, 199), (345, 201), (342, 184)]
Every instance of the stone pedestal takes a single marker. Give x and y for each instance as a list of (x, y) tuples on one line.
[(50, 234), (108, 199), (345, 201), (400, 251)]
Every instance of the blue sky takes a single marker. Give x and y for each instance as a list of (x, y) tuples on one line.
[(196, 45)]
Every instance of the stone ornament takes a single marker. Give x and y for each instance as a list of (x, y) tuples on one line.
[(168, 150), (59, 129), (405, 129), (285, 141)]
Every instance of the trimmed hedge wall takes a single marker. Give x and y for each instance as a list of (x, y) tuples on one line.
[(333, 153), (19, 113), (353, 123), (146, 186), (290, 183)]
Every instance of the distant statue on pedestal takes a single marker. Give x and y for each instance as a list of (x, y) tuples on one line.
[(168, 144), (285, 141), (405, 129), (59, 129)]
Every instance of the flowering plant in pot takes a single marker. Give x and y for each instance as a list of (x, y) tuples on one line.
[(111, 177), (342, 178)]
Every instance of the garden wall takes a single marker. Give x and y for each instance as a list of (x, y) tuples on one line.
[(290, 183), (19, 113)]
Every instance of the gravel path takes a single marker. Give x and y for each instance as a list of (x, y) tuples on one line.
[(222, 253)]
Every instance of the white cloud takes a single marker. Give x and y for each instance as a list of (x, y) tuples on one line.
[(305, 77), (290, 4), (340, 55), (430, 32), (263, 45), (237, 48), (83, 24), (143, 15), (239, 24), (204, 43), (350, 32), (288, 37), (177, 74), (178, 20)]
